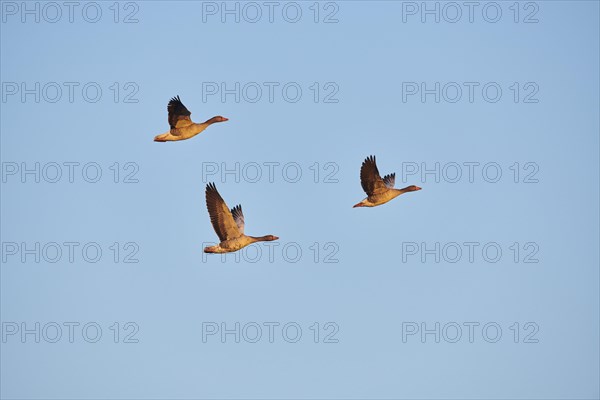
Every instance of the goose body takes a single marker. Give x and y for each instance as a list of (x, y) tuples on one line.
[(379, 191), (228, 224), (182, 127)]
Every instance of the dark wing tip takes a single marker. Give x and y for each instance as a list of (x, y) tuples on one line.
[(369, 175), (237, 211), (390, 180), (369, 160), (211, 187), (173, 100), (176, 107)]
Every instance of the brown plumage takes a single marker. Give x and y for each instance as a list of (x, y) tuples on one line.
[(379, 191), (178, 113), (228, 224), (182, 126)]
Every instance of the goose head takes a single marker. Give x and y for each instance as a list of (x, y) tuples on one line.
[(216, 119), (411, 188)]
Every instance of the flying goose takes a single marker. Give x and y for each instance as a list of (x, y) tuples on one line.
[(229, 224), (379, 191), (182, 126)]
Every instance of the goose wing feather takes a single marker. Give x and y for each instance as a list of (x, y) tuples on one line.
[(220, 216), (238, 217), (179, 115), (370, 179), (390, 180)]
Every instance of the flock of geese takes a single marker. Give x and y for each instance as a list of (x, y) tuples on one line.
[(229, 223)]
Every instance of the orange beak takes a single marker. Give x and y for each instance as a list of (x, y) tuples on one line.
[(358, 205), (418, 188)]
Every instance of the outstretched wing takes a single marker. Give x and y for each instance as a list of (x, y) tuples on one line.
[(220, 216), (238, 217), (390, 180), (369, 177), (179, 116)]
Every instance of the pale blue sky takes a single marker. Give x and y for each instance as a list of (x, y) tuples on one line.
[(172, 50)]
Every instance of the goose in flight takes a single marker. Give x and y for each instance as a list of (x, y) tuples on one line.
[(379, 191), (229, 224), (182, 126)]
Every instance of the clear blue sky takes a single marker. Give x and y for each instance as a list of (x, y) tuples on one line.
[(385, 283)]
